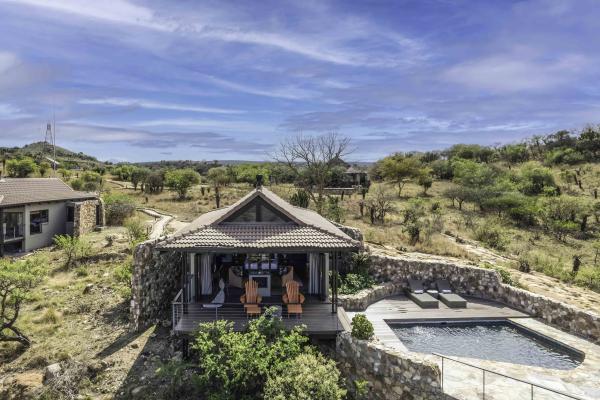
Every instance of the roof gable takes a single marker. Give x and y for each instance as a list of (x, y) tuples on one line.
[(207, 230), (256, 211)]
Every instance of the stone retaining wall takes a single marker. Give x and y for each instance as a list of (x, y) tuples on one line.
[(155, 280), (391, 374), (361, 300), (472, 281)]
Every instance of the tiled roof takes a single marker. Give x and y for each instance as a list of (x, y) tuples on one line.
[(16, 191), (259, 237), (309, 230)]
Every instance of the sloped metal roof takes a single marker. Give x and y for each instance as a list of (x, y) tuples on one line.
[(17, 191)]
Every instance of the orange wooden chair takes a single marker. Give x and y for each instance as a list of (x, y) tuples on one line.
[(251, 299), (293, 298)]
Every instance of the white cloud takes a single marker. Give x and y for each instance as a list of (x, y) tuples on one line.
[(512, 73), (7, 61), (8, 111), (126, 102), (114, 11), (291, 92)]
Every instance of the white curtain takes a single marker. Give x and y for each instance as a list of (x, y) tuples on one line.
[(326, 277), (205, 273), (313, 273)]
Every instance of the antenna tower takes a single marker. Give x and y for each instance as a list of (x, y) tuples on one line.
[(49, 149)]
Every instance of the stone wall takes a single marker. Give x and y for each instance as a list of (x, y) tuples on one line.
[(361, 300), (472, 281), (155, 281), (84, 220), (391, 374)]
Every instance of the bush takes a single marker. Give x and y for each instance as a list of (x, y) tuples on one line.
[(300, 199), (353, 283), (360, 262), (20, 168), (136, 230), (74, 247), (305, 377), (118, 207), (362, 328), (492, 235), (238, 365)]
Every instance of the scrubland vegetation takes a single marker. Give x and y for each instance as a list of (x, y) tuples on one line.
[(533, 204)]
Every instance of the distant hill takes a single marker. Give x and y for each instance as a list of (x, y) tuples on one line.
[(64, 156)]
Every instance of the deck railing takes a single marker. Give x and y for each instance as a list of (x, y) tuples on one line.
[(177, 308), (529, 390)]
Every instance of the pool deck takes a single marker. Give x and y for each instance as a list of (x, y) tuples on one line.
[(463, 382), (402, 309)]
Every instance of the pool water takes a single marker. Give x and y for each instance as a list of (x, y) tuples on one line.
[(497, 341)]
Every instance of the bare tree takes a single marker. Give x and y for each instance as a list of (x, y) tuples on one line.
[(312, 158)]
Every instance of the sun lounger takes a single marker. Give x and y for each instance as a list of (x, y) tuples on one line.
[(450, 299), (417, 294)]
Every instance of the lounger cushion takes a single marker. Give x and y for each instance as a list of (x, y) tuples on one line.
[(453, 300), (424, 300)]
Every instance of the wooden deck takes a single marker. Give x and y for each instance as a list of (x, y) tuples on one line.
[(317, 317), (402, 309)]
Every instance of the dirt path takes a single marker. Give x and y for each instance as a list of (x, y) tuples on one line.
[(160, 222)]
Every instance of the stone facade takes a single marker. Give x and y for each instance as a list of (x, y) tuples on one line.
[(155, 281), (85, 218), (472, 281), (391, 374)]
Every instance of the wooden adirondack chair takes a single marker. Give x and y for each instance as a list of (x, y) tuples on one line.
[(251, 296), (292, 293)]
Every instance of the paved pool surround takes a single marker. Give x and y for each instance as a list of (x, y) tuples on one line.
[(393, 273)]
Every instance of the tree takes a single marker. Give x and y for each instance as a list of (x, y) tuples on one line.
[(17, 278), (514, 153), (311, 159), (154, 182), (305, 377), (65, 173), (379, 203), (138, 175), (535, 179), (564, 215), (20, 168), (218, 178), (300, 199), (425, 179), (399, 169), (43, 168), (181, 180)]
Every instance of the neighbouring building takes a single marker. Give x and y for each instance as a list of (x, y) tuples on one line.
[(34, 210)]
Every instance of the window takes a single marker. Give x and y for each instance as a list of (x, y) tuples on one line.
[(36, 219)]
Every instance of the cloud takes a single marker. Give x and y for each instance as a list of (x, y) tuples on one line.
[(8, 111), (114, 11), (290, 92), (139, 103), (504, 73)]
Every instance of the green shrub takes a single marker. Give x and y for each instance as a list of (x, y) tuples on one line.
[(492, 235), (300, 199), (136, 230), (362, 328), (118, 207), (305, 377), (123, 273), (353, 283), (360, 262), (74, 247)]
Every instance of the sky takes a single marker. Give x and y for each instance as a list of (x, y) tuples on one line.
[(130, 80)]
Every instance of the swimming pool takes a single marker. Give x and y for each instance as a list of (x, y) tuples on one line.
[(489, 340)]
